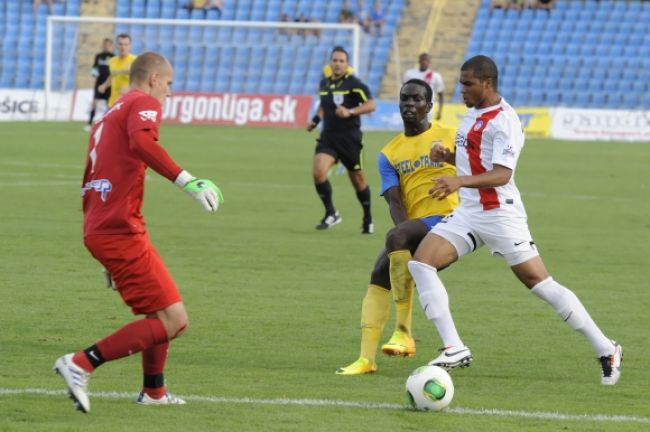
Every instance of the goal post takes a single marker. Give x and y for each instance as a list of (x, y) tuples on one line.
[(208, 56)]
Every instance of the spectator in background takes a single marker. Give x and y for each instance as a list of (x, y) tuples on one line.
[(544, 4), (206, 5), (434, 79), (283, 30), (101, 71), (314, 32), (346, 15), (363, 19), (377, 19), (36, 4), (301, 19)]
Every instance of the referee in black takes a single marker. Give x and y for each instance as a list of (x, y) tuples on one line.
[(343, 99), (101, 72)]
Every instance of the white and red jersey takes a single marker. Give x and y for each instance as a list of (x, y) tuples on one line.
[(487, 137), (121, 146), (434, 79)]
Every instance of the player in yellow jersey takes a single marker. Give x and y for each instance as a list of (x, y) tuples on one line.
[(406, 176), (120, 67)]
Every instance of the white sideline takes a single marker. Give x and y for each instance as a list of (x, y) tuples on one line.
[(350, 404)]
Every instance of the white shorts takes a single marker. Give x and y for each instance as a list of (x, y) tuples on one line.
[(505, 234)]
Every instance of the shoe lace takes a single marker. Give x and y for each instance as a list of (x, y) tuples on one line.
[(606, 365)]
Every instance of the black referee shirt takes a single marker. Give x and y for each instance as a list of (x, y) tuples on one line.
[(348, 91)]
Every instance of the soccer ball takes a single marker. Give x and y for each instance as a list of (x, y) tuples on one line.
[(429, 388)]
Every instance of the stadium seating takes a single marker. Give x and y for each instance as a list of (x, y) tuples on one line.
[(25, 35), (22, 55), (583, 53)]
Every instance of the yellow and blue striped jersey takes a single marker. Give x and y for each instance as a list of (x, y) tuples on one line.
[(405, 162)]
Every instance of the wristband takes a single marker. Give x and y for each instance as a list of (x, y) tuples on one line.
[(351, 111), (315, 120), (183, 178)]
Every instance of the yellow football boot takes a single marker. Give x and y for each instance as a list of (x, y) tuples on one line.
[(400, 344), (359, 367)]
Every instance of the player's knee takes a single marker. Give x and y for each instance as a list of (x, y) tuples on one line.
[(178, 327), (396, 240)]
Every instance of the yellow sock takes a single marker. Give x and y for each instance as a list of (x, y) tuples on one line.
[(402, 288), (374, 314)]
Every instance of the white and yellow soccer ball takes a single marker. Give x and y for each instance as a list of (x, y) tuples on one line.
[(429, 388)]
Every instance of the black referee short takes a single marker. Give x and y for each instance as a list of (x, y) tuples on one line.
[(99, 95), (344, 146)]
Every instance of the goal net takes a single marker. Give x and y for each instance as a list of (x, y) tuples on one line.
[(208, 56)]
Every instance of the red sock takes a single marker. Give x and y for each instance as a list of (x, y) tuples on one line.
[(153, 364), (82, 361), (133, 338)]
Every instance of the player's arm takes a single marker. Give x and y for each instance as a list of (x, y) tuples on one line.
[(144, 144), (315, 119), (393, 197), (391, 189), (445, 186), (366, 103), (441, 102), (106, 84)]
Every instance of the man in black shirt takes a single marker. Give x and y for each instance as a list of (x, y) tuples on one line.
[(343, 98), (101, 72)]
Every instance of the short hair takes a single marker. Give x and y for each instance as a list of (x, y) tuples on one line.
[(339, 48), (424, 55), (108, 40), (483, 68), (123, 36), (421, 83), (145, 64)]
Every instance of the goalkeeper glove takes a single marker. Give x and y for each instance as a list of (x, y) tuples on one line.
[(202, 190)]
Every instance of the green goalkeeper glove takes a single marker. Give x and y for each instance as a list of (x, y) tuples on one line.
[(202, 190)]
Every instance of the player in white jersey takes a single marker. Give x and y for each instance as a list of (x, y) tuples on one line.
[(488, 144)]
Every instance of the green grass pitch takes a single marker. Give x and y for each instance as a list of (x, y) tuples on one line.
[(274, 305)]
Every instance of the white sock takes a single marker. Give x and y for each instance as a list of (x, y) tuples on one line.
[(571, 310), (435, 302)]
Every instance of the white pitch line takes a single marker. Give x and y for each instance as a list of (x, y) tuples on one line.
[(351, 404)]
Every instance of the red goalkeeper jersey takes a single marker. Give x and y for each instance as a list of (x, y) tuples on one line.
[(121, 146)]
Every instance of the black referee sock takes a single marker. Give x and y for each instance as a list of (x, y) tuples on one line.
[(364, 199), (92, 116), (324, 191)]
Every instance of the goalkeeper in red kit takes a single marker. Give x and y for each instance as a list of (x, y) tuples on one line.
[(122, 145)]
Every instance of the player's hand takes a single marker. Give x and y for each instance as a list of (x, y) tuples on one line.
[(438, 115), (101, 88), (439, 153), (311, 126), (342, 112), (443, 187), (205, 192)]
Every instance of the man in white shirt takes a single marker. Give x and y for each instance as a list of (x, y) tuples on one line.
[(434, 79), (488, 144)]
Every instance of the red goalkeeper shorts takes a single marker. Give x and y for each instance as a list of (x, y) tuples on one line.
[(140, 275)]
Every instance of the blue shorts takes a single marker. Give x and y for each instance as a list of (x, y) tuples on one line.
[(431, 221)]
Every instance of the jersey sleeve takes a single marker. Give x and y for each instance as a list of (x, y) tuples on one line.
[(145, 114), (362, 91), (388, 174), (508, 140), (143, 123), (145, 145), (437, 84)]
